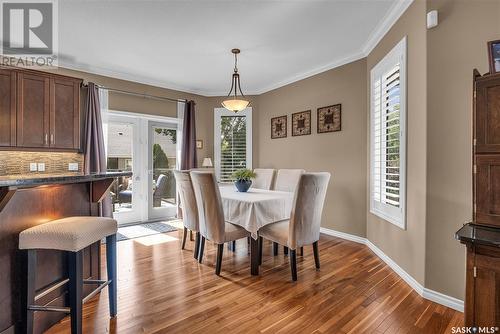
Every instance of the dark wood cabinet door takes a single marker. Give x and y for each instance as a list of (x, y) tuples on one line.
[(487, 195), (64, 113), (7, 108), (487, 290), (32, 110), (487, 116)]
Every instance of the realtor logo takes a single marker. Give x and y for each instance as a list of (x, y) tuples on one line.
[(29, 32)]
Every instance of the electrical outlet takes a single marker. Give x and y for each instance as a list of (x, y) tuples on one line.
[(41, 167), (33, 167), (73, 166)]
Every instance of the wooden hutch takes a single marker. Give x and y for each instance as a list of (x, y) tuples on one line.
[(482, 235)]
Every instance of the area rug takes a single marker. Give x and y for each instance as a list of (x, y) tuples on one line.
[(143, 230)]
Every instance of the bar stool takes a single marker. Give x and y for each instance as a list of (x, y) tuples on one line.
[(70, 235)]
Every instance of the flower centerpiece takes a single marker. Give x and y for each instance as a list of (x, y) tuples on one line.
[(243, 179)]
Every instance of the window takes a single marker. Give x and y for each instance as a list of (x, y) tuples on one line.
[(233, 142), (388, 136)]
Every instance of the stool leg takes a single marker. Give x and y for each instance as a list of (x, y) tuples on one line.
[(75, 268), (285, 250), (111, 268), (275, 248), (29, 289)]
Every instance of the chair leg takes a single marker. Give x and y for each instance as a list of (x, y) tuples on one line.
[(301, 251), (218, 264), (316, 254), (234, 245), (75, 268), (285, 250), (275, 248), (200, 250), (261, 242), (29, 292), (184, 237), (293, 263), (112, 275), (196, 245)]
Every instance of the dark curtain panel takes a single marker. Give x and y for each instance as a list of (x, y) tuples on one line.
[(188, 151), (94, 155)]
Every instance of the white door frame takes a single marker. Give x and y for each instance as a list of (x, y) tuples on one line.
[(157, 213), (142, 167)]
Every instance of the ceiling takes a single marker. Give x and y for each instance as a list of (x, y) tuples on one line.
[(185, 45)]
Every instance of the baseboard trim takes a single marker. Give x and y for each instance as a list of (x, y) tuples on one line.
[(429, 294)]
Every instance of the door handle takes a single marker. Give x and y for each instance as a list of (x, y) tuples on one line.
[(46, 139), (52, 138)]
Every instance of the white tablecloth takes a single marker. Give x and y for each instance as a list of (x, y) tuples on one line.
[(255, 208)]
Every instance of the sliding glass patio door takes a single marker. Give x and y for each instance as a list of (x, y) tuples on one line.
[(121, 137), (163, 151), (148, 146)]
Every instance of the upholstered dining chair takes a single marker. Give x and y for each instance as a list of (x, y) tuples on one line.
[(287, 179), (188, 207), (211, 216), (305, 219), (263, 179)]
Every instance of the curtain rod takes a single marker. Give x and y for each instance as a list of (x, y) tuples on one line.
[(154, 97)]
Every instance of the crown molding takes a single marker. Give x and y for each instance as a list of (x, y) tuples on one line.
[(397, 9), (130, 77), (394, 13)]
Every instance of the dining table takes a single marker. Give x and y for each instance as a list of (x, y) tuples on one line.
[(254, 209)]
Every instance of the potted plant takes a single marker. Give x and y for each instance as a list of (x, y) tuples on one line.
[(243, 179)]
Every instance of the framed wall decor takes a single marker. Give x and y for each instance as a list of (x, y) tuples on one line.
[(301, 123), (199, 144), (329, 118), (278, 127), (494, 56)]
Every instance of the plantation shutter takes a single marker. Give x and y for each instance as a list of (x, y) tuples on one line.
[(388, 138), (233, 145)]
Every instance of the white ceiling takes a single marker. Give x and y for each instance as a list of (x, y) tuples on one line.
[(186, 45)]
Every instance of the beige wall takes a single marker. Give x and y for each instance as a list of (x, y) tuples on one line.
[(464, 27), (407, 247), (341, 153)]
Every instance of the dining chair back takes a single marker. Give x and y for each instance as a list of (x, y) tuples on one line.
[(263, 179), (287, 179), (187, 207), (209, 204), (187, 199), (305, 218)]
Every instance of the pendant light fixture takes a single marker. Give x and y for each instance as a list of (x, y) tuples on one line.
[(234, 102)]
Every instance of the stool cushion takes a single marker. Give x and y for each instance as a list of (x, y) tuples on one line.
[(68, 234)]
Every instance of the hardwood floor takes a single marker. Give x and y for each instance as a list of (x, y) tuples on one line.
[(162, 289)]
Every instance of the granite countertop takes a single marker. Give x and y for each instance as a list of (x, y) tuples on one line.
[(16, 181), (479, 234)]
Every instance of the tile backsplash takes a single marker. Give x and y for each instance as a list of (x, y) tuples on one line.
[(17, 163)]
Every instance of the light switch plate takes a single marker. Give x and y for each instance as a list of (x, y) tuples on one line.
[(41, 167), (73, 166), (33, 167)]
